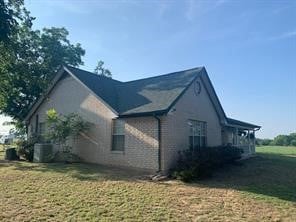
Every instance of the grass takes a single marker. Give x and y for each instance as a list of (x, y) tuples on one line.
[(261, 189)]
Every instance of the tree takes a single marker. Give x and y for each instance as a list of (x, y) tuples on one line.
[(12, 13), (100, 70), (281, 140), (62, 127), (263, 142), (292, 139), (293, 142), (6, 21), (29, 59)]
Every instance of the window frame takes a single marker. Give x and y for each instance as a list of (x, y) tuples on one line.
[(118, 131), (42, 128), (200, 134), (36, 123)]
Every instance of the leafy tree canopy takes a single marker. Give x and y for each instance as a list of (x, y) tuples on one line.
[(280, 140), (29, 58), (100, 70), (12, 14)]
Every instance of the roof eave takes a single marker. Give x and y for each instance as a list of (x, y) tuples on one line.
[(244, 127), (143, 114), (249, 127)]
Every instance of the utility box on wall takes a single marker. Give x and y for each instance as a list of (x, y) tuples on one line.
[(43, 153)]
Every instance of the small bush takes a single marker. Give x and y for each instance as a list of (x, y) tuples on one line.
[(25, 147), (200, 162), (293, 142)]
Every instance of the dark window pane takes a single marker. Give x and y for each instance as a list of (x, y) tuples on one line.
[(191, 142), (42, 128), (36, 123), (118, 142), (203, 141), (197, 141), (194, 142), (118, 127), (197, 134)]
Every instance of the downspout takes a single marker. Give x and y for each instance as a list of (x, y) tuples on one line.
[(159, 141)]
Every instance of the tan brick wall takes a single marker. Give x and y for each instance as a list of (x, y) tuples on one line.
[(141, 145), (141, 142), (175, 128)]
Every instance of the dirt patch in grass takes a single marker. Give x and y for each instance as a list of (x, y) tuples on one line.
[(256, 191)]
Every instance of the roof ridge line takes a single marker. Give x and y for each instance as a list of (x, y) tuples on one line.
[(91, 73), (171, 73)]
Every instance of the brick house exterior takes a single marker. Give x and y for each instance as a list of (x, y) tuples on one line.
[(143, 123)]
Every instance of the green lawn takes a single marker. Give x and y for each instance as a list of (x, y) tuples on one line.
[(263, 188)]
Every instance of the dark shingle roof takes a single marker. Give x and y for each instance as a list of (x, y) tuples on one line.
[(102, 86), (240, 123), (150, 95)]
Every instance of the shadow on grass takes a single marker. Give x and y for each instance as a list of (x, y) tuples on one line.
[(269, 174), (80, 171)]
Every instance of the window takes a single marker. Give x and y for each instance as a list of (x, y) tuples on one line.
[(118, 135), (42, 129), (36, 123), (198, 134), (31, 129)]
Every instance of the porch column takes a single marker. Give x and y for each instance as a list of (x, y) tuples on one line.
[(254, 142), (236, 134), (249, 142)]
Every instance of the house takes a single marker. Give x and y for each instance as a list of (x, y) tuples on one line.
[(8, 139), (142, 123)]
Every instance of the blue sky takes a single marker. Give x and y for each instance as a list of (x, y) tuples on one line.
[(247, 47)]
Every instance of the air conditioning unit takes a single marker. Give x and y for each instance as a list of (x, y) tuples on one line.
[(43, 153)]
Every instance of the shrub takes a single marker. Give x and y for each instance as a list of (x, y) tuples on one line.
[(293, 142), (62, 127), (200, 162), (25, 147)]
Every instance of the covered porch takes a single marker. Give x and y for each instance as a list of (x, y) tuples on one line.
[(240, 134)]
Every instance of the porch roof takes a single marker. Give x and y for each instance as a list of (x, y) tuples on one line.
[(237, 123)]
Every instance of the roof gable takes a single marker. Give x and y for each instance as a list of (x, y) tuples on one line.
[(155, 93), (138, 97), (101, 86), (149, 96)]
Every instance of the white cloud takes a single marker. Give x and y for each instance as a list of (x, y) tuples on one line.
[(286, 35)]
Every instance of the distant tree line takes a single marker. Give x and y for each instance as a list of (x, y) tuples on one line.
[(280, 140)]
